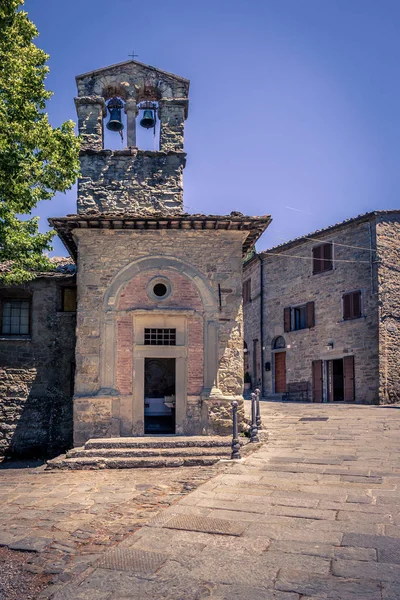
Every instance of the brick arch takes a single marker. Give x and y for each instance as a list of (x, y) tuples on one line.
[(184, 293), (154, 265)]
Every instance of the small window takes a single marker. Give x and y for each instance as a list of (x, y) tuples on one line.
[(247, 291), (160, 337), (69, 299), (16, 317), (322, 258), (299, 317), (352, 305)]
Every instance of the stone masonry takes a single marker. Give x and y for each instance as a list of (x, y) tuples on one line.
[(36, 373), (130, 180), (388, 248), (129, 233), (373, 339)]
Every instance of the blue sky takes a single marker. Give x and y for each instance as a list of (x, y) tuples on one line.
[(294, 104)]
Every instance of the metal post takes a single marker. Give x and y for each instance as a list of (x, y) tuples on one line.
[(235, 439), (258, 414), (253, 430)]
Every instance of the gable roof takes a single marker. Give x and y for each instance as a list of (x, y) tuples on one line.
[(131, 62), (319, 232)]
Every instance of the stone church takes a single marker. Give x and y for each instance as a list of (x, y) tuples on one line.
[(159, 323)]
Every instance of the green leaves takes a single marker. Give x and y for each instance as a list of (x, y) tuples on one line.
[(36, 160)]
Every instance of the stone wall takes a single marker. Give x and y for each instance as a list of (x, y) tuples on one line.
[(252, 320), (208, 263), (36, 374), (131, 180), (388, 247), (289, 281)]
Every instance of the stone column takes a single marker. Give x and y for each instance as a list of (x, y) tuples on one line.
[(91, 112), (131, 111), (172, 114)]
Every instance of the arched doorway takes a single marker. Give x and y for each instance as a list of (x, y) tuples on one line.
[(279, 364)]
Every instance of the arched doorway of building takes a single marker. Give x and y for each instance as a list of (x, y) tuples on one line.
[(279, 364)]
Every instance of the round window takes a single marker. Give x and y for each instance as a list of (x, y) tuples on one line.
[(160, 290)]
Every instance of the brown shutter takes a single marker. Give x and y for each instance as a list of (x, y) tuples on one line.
[(327, 264), (348, 373), (347, 306), (357, 304), (317, 380), (286, 319), (310, 314), (317, 262)]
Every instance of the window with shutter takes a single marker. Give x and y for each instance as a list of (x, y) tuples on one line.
[(299, 317), (322, 258), (352, 305), (247, 291)]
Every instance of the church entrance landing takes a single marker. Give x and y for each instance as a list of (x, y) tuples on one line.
[(159, 395)]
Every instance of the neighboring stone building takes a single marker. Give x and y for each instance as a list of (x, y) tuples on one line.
[(322, 313), (37, 361)]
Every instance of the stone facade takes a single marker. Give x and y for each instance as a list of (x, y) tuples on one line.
[(129, 233), (388, 251), (36, 372), (115, 307), (365, 255)]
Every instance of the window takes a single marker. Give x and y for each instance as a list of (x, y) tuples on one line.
[(247, 291), (69, 299), (352, 305), (299, 317), (322, 258), (16, 317), (160, 337)]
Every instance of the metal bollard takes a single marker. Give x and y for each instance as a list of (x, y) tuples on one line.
[(258, 414), (235, 439), (253, 430)]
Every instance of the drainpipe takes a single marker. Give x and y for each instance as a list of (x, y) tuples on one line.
[(262, 322)]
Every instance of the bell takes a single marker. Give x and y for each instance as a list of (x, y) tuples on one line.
[(148, 121), (114, 106)]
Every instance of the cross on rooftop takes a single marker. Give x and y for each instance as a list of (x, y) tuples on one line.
[(133, 55)]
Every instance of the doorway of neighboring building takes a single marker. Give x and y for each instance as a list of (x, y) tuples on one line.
[(335, 380), (159, 395), (280, 372)]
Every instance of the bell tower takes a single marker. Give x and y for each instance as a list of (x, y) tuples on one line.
[(131, 180)]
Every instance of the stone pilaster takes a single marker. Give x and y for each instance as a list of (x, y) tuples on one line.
[(131, 111), (172, 114), (91, 112)]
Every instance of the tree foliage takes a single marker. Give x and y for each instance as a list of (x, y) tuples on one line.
[(36, 160)]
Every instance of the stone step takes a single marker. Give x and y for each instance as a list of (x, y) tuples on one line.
[(155, 441), (130, 462), (221, 451)]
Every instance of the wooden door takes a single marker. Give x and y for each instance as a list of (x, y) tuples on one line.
[(317, 380), (280, 372), (348, 375)]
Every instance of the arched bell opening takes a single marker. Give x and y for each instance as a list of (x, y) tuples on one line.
[(115, 124), (148, 125)]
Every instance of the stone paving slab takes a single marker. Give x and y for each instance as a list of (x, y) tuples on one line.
[(315, 511)]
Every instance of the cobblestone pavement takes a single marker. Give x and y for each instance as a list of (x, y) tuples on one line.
[(313, 514), (65, 520)]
